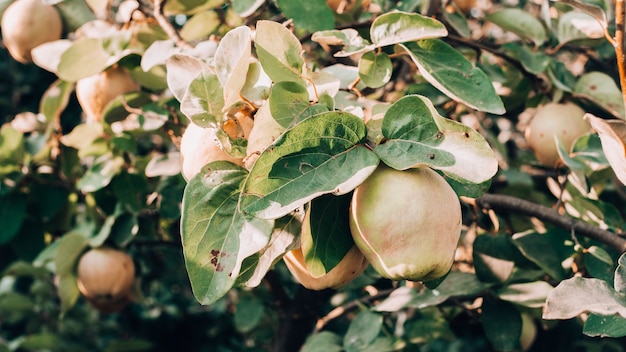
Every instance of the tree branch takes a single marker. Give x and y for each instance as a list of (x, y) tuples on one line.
[(499, 202), (619, 45), (167, 26)]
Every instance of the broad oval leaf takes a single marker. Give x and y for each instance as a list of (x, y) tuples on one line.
[(287, 101), (322, 154), (454, 75), (279, 52), (231, 62), (576, 25), (399, 27), (325, 237), (182, 69), (203, 101), (216, 237), (570, 298), (86, 57), (613, 137), (521, 23), (417, 135), (375, 69), (527, 294), (601, 89)]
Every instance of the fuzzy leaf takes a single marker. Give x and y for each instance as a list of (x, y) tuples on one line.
[(571, 298), (450, 72), (399, 27), (203, 101), (216, 237), (322, 154), (231, 62), (279, 52)]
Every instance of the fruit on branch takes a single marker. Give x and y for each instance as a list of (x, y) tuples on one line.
[(406, 223), (198, 147), (95, 92), (27, 24), (105, 278), (564, 121), (352, 265)]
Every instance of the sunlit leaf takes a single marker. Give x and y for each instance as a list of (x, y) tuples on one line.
[(68, 252), (322, 154), (375, 69), (417, 135), (349, 38), (571, 298), (324, 341), (100, 174), (231, 62), (613, 136), (55, 99), (450, 72), (200, 25), (279, 52), (181, 71), (399, 27), (203, 101), (528, 294), (246, 8), (217, 237), (576, 25), (601, 89), (520, 22)]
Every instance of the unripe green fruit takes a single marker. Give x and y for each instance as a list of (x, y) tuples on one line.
[(352, 265), (105, 278), (565, 121), (27, 24), (406, 223), (198, 147)]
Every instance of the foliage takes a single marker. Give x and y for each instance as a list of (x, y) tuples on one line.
[(335, 89)]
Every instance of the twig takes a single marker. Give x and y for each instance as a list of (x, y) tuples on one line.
[(167, 26), (619, 45), (501, 202)]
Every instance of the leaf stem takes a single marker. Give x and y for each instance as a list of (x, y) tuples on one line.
[(499, 202)]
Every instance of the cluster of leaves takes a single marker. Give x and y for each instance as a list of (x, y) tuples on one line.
[(391, 85)]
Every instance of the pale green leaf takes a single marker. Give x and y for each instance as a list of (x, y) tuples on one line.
[(363, 330), (587, 7), (200, 26), (257, 86), (310, 15), (322, 154), (349, 38), (182, 69), (100, 174), (217, 237), (324, 341), (601, 89), (86, 57), (190, 7), (576, 25), (248, 313), (246, 8), (520, 22), (571, 298), (279, 52), (232, 61), (55, 99), (613, 136), (450, 72), (203, 101), (375, 69), (71, 247), (417, 135), (74, 13), (48, 55), (399, 27), (528, 294), (288, 100)]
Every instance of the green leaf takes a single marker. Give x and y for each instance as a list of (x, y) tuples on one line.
[(279, 52), (619, 282), (86, 57), (541, 250), (576, 25), (12, 214), (349, 38), (100, 174), (11, 146), (324, 341), (528, 294), (200, 26), (450, 72), (362, 331), (322, 154), (204, 100), (216, 237), (571, 298), (605, 326), (456, 284), (602, 90), (245, 8), (326, 237), (182, 70), (494, 257), (417, 135), (55, 99), (502, 323), (248, 313), (521, 23), (71, 247), (375, 69), (232, 59), (399, 27), (74, 14), (288, 100), (310, 15)]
